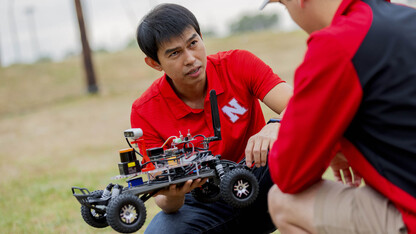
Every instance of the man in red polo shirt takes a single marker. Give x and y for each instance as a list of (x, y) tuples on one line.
[(178, 103), (354, 104)]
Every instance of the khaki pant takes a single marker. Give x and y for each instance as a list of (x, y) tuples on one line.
[(342, 209)]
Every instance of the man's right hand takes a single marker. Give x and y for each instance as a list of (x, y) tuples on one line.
[(340, 163), (259, 145), (172, 198)]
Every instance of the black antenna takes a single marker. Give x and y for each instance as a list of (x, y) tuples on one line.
[(215, 116)]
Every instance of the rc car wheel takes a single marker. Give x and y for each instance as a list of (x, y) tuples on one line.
[(126, 213), (239, 188), (91, 216), (207, 193)]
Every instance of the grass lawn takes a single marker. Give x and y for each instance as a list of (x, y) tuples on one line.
[(55, 136)]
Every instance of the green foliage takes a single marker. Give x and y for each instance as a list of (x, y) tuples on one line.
[(44, 59), (132, 44), (208, 32), (102, 50), (254, 23)]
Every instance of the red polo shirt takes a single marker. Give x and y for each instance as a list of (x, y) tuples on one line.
[(356, 86), (239, 78)]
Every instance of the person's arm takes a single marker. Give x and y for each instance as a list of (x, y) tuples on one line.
[(327, 94), (262, 83), (278, 97), (259, 144)]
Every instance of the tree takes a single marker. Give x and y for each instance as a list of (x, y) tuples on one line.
[(254, 23)]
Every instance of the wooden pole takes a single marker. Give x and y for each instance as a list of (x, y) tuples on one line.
[(13, 29), (32, 25), (86, 51), (1, 62)]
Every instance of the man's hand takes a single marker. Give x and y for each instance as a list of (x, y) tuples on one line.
[(351, 177), (172, 198), (179, 191), (259, 145)]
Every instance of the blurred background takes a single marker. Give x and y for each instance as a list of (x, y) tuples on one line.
[(48, 30), (62, 119)]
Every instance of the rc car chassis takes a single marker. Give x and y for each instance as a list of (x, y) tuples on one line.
[(187, 159)]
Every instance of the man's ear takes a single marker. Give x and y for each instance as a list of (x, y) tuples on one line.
[(153, 64)]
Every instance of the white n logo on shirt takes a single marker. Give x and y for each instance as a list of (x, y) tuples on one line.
[(234, 110)]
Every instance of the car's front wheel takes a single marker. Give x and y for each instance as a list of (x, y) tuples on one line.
[(239, 188), (126, 213)]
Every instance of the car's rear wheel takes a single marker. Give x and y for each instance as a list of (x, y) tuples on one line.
[(91, 216)]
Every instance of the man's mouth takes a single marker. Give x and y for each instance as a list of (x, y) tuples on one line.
[(194, 71)]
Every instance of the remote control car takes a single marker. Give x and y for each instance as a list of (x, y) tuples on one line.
[(187, 158)]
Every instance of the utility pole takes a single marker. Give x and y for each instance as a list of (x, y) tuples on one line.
[(1, 64), (32, 25), (86, 51), (13, 29)]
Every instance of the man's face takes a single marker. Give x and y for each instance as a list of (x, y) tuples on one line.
[(184, 59)]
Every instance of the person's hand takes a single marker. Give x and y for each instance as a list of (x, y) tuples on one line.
[(175, 190), (172, 198), (259, 144), (340, 163)]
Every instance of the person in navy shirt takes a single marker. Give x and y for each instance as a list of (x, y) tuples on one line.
[(354, 109)]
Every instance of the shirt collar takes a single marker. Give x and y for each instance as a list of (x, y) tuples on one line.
[(344, 6), (176, 105), (213, 80)]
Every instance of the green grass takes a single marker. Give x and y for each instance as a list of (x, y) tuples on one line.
[(54, 136)]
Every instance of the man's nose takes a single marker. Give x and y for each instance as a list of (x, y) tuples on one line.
[(189, 57)]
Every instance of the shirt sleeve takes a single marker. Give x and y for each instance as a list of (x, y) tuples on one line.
[(258, 77), (327, 93)]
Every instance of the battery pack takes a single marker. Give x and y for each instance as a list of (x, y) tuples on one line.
[(127, 168), (135, 182), (127, 155)]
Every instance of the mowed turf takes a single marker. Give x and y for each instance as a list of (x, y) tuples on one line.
[(54, 136)]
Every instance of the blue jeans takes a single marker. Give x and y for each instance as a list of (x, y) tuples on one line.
[(219, 217)]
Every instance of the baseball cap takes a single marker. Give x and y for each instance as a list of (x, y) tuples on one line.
[(263, 5)]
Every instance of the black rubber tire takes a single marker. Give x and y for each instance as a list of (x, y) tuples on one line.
[(228, 165), (207, 193), (93, 218), (239, 188), (122, 206)]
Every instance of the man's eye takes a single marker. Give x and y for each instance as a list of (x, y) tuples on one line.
[(173, 53)]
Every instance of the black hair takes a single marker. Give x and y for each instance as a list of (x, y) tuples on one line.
[(161, 24)]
